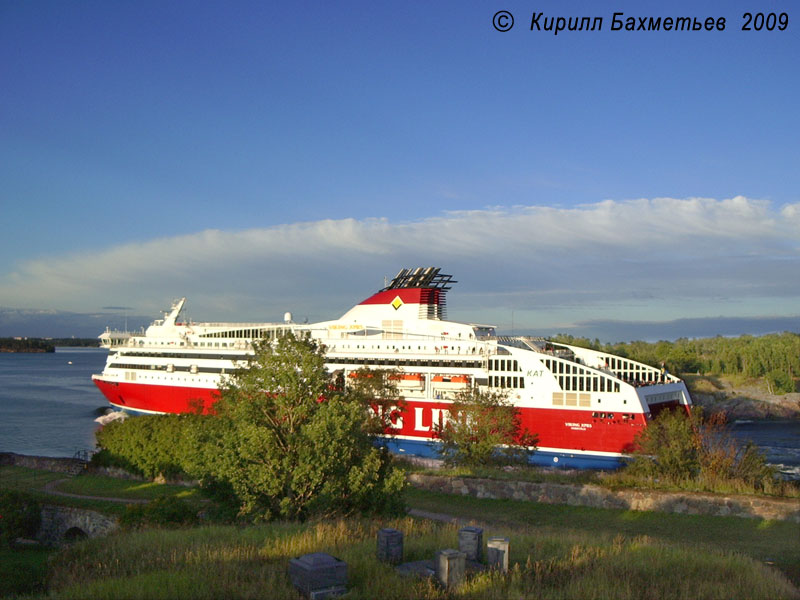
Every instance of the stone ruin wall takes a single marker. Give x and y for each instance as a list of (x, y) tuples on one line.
[(782, 509)]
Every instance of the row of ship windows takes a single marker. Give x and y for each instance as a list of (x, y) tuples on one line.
[(253, 334), (387, 362), (503, 364), (399, 362), (506, 381), (192, 369), (437, 349), (243, 357), (613, 363), (618, 364), (330, 360), (576, 383), (562, 367), (131, 376), (200, 344), (573, 378)]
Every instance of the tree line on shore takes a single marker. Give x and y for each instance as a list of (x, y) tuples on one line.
[(26, 344)]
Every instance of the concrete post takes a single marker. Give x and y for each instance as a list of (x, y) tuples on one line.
[(450, 565), (318, 575), (497, 553), (390, 546), (470, 542)]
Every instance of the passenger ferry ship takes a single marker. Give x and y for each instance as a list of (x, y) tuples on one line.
[(585, 406)]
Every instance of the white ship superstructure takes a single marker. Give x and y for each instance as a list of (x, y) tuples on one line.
[(585, 406)]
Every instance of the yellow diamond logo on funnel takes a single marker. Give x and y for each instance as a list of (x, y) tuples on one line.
[(397, 303)]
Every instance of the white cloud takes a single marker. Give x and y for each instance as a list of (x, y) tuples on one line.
[(645, 258)]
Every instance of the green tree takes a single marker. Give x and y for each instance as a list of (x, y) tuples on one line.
[(376, 389), (483, 428), (779, 382), (288, 446)]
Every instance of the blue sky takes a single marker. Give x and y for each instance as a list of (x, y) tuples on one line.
[(261, 157)]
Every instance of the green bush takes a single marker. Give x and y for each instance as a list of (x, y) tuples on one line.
[(681, 449), (20, 516), (165, 511), (668, 448), (483, 429), (106, 458), (150, 445)]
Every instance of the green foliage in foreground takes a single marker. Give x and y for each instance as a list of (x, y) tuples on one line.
[(691, 451), (149, 445), (165, 511), (23, 570), (227, 562), (281, 444)]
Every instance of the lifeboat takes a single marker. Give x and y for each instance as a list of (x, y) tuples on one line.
[(409, 381), (451, 382)]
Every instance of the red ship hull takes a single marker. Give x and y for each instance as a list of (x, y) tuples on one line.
[(581, 431)]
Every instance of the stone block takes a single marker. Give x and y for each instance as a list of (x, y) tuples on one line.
[(450, 565), (390, 546), (318, 575), (470, 542), (497, 553)]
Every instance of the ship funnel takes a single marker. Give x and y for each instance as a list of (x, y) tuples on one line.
[(287, 317)]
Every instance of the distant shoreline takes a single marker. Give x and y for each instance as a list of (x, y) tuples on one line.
[(31, 345), (26, 350)]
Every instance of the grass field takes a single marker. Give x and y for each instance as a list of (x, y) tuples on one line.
[(33, 482), (22, 570), (231, 562), (26, 480), (560, 552), (95, 485), (769, 542)]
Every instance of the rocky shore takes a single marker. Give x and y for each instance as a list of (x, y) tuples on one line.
[(748, 401), (758, 507)]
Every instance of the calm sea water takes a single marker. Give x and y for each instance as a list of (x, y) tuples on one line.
[(48, 404), (778, 440)]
